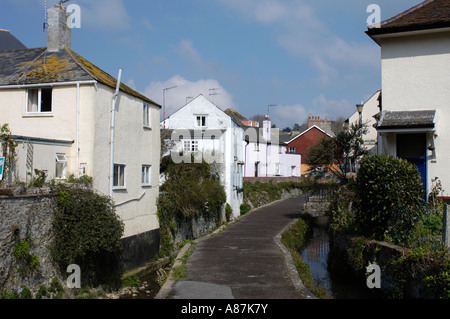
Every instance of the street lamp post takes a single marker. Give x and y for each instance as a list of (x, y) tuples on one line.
[(164, 103)]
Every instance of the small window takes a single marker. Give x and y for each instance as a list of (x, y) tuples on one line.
[(61, 165), (194, 146), (119, 176), (39, 100), (190, 146), (146, 175), (291, 150), (201, 120), (146, 115)]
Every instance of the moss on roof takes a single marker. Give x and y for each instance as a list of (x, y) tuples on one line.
[(36, 66)]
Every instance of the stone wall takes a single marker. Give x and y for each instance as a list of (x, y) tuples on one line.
[(26, 217), (194, 228)]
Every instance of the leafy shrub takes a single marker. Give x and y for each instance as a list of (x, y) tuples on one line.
[(190, 191), (228, 211), (87, 233), (244, 209), (387, 189)]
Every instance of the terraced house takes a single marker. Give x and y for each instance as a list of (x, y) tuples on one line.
[(59, 107), (415, 104)]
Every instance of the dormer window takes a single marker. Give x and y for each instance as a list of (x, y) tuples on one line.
[(201, 121), (39, 100)]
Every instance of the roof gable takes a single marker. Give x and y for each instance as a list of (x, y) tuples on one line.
[(309, 129)]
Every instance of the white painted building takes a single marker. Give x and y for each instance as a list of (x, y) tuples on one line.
[(265, 154), (202, 129), (59, 109), (415, 60), (369, 112)]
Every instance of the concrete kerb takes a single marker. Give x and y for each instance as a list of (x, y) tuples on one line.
[(290, 265), (167, 286)]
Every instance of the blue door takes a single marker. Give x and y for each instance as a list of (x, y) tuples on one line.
[(412, 147)]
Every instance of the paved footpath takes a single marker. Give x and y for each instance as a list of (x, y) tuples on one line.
[(245, 261)]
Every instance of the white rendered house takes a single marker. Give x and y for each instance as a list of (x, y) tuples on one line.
[(202, 129), (265, 154), (415, 60), (59, 109)]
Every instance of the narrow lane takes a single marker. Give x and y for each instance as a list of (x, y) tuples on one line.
[(243, 261)]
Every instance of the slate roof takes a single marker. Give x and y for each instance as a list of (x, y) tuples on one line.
[(38, 66), (9, 42), (407, 119), (430, 14)]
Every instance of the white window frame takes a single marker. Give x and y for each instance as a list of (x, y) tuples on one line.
[(146, 175), (121, 171), (190, 146), (201, 120), (39, 101), (61, 160), (146, 115)]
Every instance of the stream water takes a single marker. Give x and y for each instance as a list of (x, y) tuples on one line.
[(338, 282)]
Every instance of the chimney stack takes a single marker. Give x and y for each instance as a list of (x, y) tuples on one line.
[(58, 32)]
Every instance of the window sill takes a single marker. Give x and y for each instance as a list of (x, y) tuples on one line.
[(147, 128), (38, 115), (119, 188), (146, 186)]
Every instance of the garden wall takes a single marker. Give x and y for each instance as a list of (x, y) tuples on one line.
[(26, 217)]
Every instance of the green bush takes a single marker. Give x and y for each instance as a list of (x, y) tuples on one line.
[(87, 233), (190, 191), (244, 209), (387, 190)]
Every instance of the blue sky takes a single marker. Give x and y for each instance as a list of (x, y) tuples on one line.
[(305, 57)]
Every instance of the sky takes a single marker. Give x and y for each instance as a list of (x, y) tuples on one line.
[(303, 58)]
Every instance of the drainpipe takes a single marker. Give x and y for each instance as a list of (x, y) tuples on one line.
[(113, 124), (78, 130)]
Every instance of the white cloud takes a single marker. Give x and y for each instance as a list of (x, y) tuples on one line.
[(187, 90)]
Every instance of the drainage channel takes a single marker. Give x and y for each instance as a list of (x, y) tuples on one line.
[(336, 280)]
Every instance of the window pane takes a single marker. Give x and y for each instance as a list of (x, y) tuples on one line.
[(32, 100), (116, 175), (122, 175), (203, 120), (46, 100)]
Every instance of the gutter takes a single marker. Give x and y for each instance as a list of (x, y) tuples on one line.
[(53, 84)]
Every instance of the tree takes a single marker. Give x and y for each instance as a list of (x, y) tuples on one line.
[(340, 153)]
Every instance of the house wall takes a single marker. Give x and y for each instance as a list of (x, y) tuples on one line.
[(416, 76), (303, 143), (370, 109), (134, 146), (230, 143), (59, 125)]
